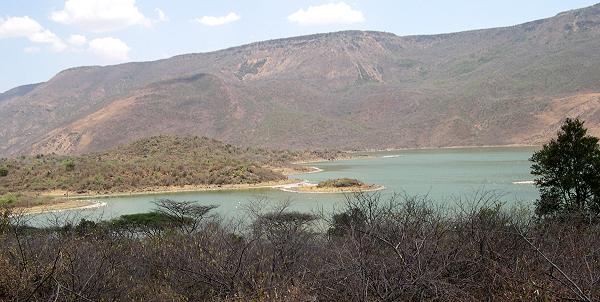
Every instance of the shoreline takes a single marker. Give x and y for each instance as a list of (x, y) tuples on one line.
[(330, 160), (314, 170), (524, 182), (305, 184), (440, 148), (61, 206), (176, 189), (75, 202), (290, 171), (368, 156)]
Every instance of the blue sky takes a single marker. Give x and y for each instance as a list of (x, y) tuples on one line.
[(38, 38)]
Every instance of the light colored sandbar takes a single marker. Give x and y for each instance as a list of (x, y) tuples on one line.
[(174, 189), (310, 188), (524, 182), (59, 206)]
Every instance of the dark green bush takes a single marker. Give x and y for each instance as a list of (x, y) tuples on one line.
[(340, 183)]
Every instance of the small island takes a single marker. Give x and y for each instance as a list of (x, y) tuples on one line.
[(338, 185)]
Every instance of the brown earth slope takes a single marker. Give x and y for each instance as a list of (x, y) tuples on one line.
[(350, 90)]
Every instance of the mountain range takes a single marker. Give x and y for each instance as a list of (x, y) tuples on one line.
[(343, 90)]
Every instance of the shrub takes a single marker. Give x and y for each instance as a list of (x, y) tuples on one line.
[(340, 183), (3, 171), (68, 164), (8, 199)]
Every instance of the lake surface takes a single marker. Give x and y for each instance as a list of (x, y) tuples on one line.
[(440, 173)]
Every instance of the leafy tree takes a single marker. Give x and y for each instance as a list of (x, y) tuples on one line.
[(150, 224), (568, 172), (186, 215), (3, 171)]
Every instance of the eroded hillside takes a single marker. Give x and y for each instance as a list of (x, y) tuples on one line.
[(345, 90)]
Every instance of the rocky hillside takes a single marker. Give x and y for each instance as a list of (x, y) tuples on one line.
[(344, 90)]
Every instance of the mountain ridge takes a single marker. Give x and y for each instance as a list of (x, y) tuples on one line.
[(344, 90)]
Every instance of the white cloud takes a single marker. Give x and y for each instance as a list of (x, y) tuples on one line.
[(25, 27), (100, 15), (327, 14), (15, 27), (215, 21), (77, 40), (110, 49), (161, 15)]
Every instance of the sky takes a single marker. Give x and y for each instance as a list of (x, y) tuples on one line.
[(39, 38)]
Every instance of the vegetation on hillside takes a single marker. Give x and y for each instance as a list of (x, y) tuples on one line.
[(153, 162)]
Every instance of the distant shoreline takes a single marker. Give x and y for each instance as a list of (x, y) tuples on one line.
[(366, 156), (440, 148), (313, 170)]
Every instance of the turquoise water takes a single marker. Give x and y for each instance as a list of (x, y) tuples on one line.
[(441, 174)]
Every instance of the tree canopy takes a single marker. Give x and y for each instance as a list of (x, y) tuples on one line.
[(568, 172)]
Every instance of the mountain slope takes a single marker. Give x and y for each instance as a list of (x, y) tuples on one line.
[(351, 90), (17, 92)]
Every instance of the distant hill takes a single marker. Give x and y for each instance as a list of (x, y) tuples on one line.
[(344, 90), (17, 92), (160, 161)]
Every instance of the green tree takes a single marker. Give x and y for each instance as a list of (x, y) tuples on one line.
[(568, 172), (3, 171)]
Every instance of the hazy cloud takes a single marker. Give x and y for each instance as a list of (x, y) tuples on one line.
[(25, 27), (161, 15), (327, 14), (215, 21), (111, 49), (31, 49), (100, 15), (77, 40)]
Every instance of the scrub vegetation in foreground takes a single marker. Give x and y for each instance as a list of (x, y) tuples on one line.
[(375, 248)]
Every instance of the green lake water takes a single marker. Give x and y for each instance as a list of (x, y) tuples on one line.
[(440, 173)]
